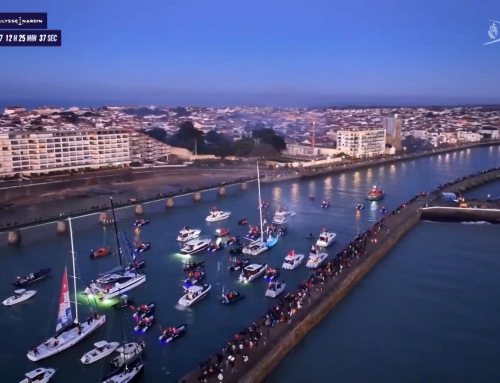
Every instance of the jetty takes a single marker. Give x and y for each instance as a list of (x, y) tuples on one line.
[(272, 343)]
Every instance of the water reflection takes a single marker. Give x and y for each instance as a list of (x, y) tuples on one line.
[(369, 175), (328, 187), (342, 180), (295, 193), (312, 188), (357, 180), (277, 194)]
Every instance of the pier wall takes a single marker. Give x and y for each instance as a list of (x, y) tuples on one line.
[(276, 352), (460, 214)]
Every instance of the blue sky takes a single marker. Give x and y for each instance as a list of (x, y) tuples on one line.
[(259, 52)]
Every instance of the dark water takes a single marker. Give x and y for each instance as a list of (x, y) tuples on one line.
[(210, 324)]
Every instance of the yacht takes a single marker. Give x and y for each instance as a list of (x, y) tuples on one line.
[(194, 294), (292, 260), (283, 212), (252, 272), (218, 215), (101, 350), (187, 234), (316, 259), (275, 289), (255, 248), (40, 375), (195, 246), (127, 352), (279, 219), (114, 284), (325, 239), (19, 296)]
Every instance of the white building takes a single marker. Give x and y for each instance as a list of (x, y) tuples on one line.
[(14, 109), (490, 131), (362, 143), (393, 126), (298, 150), (468, 136)]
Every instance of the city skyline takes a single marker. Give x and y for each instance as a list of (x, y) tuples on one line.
[(216, 54)]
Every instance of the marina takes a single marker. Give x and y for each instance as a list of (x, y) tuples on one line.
[(344, 190)]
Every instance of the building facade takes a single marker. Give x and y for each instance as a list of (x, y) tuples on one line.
[(145, 148), (300, 150), (393, 127), (362, 143)]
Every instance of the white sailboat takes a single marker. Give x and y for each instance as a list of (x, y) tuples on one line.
[(68, 331)]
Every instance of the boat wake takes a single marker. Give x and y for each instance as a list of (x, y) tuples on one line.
[(182, 308), (476, 223)]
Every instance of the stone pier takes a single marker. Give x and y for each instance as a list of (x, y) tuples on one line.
[(61, 227), (139, 209), (14, 237), (197, 197), (170, 202), (221, 191)]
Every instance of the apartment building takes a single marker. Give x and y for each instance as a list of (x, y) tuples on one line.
[(393, 126), (42, 152), (362, 143), (144, 148)]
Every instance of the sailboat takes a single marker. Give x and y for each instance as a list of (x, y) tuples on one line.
[(119, 280), (68, 331)]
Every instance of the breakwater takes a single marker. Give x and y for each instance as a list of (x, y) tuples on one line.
[(256, 350)]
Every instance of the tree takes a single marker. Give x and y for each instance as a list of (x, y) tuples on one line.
[(156, 133), (213, 137), (188, 137), (243, 147), (269, 136)]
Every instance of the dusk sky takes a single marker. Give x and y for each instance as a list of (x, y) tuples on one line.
[(259, 52)]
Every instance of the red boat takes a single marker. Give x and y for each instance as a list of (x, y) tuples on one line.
[(221, 232), (100, 252)]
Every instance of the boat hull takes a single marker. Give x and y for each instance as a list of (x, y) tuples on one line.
[(375, 198), (295, 264), (117, 291)]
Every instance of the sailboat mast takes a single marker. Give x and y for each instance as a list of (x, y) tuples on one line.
[(116, 233), (260, 205), (74, 268)]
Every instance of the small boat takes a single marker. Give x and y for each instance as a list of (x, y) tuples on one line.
[(141, 222), (325, 205), (124, 302), (143, 247), (283, 212), (383, 211), (187, 234), (127, 353), (279, 220), (101, 350), (231, 297), (40, 375), (376, 194), (19, 296), (239, 263), (236, 248), (221, 232), (255, 248), (271, 274), (112, 285), (144, 324), (292, 260), (243, 221), (217, 215), (30, 278), (275, 289), (194, 294), (101, 252), (316, 259), (195, 246), (192, 265), (253, 271), (325, 239), (214, 246), (145, 311), (194, 277), (127, 372), (282, 231), (172, 334), (233, 240), (360, 206)]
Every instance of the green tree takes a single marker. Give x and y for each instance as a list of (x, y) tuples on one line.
[(243, 147), (188, 137)]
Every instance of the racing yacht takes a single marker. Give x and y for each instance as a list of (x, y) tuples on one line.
[(187, 234), (252, 272), (325, 239), (195, 246), (68, 331), (218, 215), (194, 294), (292, 260)]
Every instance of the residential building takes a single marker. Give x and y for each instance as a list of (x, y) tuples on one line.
[(393, 126), (468, 136), (14, 109), (301, 150), (145, 148), (362, 143), (490, 131)]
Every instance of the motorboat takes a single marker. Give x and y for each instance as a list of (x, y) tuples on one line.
[(255, 248), (195, 246), (40, 375), (239, 263), (101, 252), (316, 259), (194, 277), (143, 247), (325, 239), (271, 274), (172, 334), (127, 352), (376, 194), (127, 372), (243, 221), (125, 301), (187, 234), (194, 294), (292, 260), (221, 232), (218, 215), (19, 296), (145, 311), (325, 204), (236, 248), (231, 297), (30, 278), (144, 324), (214, 246), (279, 220), (283, 212), (275, 289), (141, 222), (253, 234), (101, 350), (253, 271), (360, 206), (191, 265), (113, 285), (233, 240)]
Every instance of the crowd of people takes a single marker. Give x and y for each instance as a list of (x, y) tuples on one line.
[(236, 354)]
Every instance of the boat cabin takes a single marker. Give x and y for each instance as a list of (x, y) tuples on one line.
[(101, 346), (253, 269), (193, 292), (36, 375), (18, 293)]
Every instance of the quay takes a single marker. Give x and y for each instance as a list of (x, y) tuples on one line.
[(466, 211), (261, 347)]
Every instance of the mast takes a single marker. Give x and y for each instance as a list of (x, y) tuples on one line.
[(260, 205), (116, 233), (74, 268)]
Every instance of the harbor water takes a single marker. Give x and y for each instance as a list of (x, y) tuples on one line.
[(363, 314)]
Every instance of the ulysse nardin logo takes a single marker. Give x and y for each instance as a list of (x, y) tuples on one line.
[(493, 32)]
